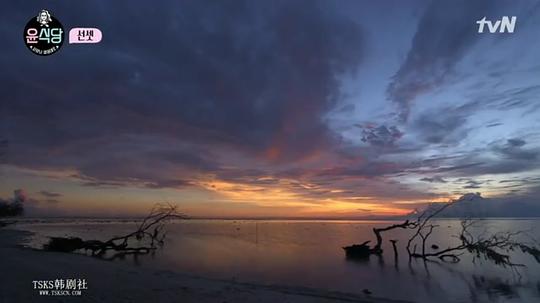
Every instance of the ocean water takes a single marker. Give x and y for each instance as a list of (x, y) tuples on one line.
[(309, 254)]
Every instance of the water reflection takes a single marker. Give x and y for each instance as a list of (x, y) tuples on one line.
[(308, 253)]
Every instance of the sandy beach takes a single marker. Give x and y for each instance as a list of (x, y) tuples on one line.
[(119, 282)]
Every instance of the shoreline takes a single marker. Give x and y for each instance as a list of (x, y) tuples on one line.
[(110, 281)]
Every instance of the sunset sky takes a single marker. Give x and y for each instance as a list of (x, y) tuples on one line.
[(271, 108)]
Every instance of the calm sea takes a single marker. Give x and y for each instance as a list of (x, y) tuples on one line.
[(309, 254)]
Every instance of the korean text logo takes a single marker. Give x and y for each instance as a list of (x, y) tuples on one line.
[(44, 34)]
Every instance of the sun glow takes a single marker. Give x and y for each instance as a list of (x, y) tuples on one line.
[(284, 193)]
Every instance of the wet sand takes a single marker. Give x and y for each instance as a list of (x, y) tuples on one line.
[(120, 282)]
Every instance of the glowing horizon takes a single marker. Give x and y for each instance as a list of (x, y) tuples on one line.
[(274, 110)]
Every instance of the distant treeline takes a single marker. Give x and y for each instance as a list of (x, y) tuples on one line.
[(11, 209)]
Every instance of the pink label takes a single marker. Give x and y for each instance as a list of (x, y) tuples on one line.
[(84, 35)]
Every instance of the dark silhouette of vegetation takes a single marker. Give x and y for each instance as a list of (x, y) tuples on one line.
[(363, 250), (6, 223), (12, 209), (149, 235), (9, 208), (494, 247), (394, 246), (3, 148)]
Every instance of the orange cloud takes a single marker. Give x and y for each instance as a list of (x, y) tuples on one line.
[(283, 195)]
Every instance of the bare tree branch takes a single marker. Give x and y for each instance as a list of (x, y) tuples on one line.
[(363, 250), (495, 247), (150, 231)]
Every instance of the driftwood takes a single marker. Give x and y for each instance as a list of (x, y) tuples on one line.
[(395, 249), (495, 248), (364, 251), (358, 250), (150, 233), (6, 223)]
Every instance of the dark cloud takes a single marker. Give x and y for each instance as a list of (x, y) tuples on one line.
[(473, 205), (169, 183), (442, 127), (525, 180), (498, 157), (514, 97), (513, 150), (381, 135), (516, 142), (434, 179), (506, 99), (437, 161), (252, 78), (50, 194), (472, 184), (461, 167), (494, 124), (239, 92), (484, 166), (446, 31), (365, 170)]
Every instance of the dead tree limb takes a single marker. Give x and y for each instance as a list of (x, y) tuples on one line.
[(395, 249), (377, 231), (5, 223), (421, 225), (149, 235), (363, 250), (495, 248)]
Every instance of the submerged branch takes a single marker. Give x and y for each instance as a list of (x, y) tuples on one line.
[(6, 223), (150, 230), (364, 251), (495, 248)]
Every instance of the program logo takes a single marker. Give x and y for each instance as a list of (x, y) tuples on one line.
[(505, 25), (43, 34)]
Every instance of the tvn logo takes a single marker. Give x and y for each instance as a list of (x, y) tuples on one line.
[(505, 25)]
